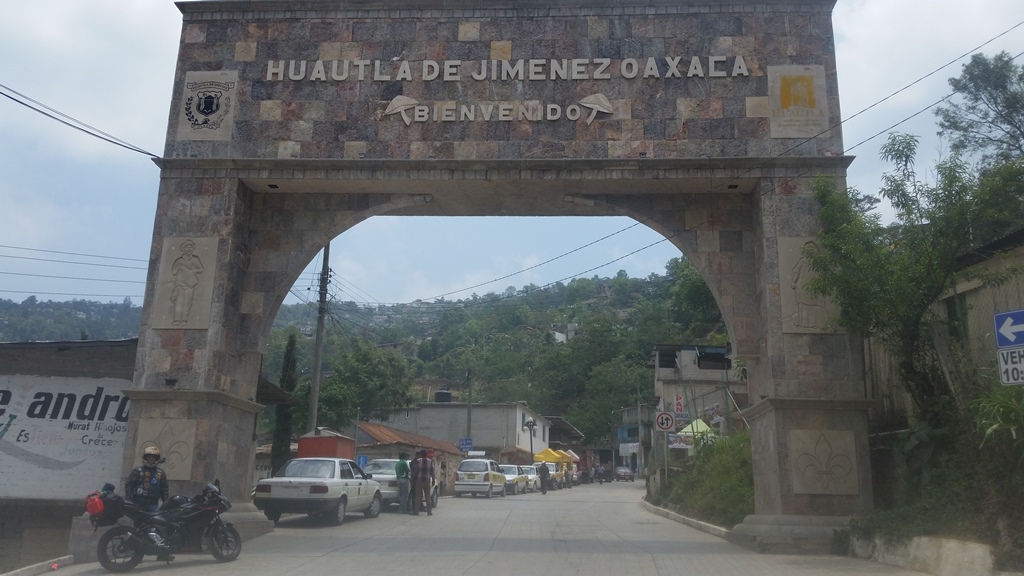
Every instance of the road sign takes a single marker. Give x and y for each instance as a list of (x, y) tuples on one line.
[(1011, 365), (1009, 329), (362, 460), (465, 444), (665, 421)]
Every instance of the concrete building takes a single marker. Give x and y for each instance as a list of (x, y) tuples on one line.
[(693, 382), (63, 421), (495, 428)]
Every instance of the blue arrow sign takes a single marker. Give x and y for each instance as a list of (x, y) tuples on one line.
[(1009, 328)]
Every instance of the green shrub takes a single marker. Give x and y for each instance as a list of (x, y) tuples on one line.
[(718, 486), (999, 416), (971, 495)]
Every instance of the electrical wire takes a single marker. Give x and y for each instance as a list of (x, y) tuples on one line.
[(72, 262), (70, 121), (73, 253), (73, 278)]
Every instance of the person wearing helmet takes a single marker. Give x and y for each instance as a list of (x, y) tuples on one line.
[(147, 484)]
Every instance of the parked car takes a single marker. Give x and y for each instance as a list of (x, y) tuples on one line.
[(479, 476), (515, 480), (623, 473), (325, 487), (532, 479), (383, 470)]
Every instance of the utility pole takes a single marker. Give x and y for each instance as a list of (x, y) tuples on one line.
[(314, 389), (469, 404), (639, 434)]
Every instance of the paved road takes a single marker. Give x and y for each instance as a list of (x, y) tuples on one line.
[(592, 530)]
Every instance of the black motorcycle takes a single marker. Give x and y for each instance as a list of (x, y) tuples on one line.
[(181, 525)]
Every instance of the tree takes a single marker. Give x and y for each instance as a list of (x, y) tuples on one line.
[(886, 278), (989, 118), (580, 290), (369, 382), (610, 386), (281, 448), (692, 304)]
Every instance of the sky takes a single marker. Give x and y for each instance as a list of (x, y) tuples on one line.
[(76, 213)]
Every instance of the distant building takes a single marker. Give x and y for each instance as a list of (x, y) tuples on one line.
[(495, 428), (695, 382)]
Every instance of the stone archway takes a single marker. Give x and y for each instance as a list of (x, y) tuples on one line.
[(294, 120)]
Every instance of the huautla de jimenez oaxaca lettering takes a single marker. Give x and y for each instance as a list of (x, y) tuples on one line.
[(508, 70)]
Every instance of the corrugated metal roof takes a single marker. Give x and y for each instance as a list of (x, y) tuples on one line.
[(382, 434)]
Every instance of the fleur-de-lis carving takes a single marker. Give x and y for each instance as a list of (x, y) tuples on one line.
[(823, 466), (175, 451)]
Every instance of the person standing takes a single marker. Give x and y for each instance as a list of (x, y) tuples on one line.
[(542, 471), (424, 479), (147, 484), (402, 473)]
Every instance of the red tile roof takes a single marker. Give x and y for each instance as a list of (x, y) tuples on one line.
[(383, 435)]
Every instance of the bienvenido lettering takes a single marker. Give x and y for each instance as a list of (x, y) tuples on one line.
[(507, 70), (493, 112)]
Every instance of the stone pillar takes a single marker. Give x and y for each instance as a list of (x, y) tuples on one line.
[(811, 473), (198, 361), (204, 436), (809, 415)]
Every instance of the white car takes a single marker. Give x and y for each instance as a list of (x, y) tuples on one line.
[(532, 479), (515, 480), (383, 470), (479, 476), (325, 487)]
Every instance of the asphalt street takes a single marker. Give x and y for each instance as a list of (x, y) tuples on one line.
[(593, 530)]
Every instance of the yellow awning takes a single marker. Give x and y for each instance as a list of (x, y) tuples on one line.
[(696, 427), (548, 455)]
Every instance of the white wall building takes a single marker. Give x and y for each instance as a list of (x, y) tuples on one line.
[(498, 429)]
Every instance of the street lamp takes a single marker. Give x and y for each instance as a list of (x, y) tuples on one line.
[(531, 425)]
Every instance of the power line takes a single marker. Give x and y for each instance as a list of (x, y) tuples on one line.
[(357, 288), (74, 253), (70, 121), (841, 122), (37, 293), (73, 278), (538, 265), (72, 262)]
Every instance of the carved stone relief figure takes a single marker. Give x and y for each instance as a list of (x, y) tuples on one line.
[(801, 311), (186, 270), (185, 286)]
